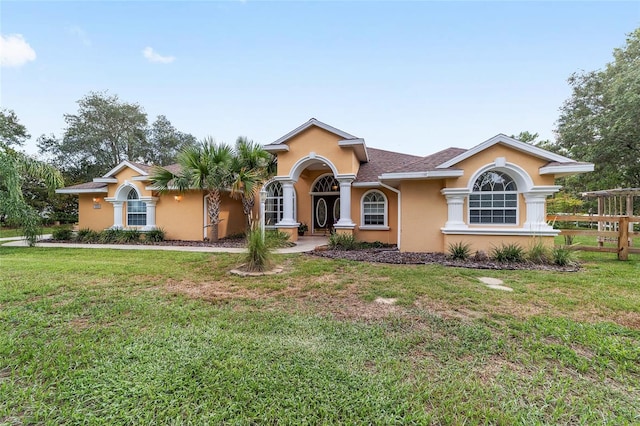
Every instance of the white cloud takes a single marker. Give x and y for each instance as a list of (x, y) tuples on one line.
[(154, 56), (15, 51), (81, 34)]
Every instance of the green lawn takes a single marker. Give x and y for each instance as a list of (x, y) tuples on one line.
[(120, 337), (17, 232)]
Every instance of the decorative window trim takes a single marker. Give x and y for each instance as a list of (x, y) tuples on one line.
[(140, 215), (278, 202), (494, 197), (379, 227), (324, 185)]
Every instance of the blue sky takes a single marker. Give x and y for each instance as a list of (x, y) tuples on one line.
[(412, 77)]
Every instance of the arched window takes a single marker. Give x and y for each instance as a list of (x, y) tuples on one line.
[(494, 199), (326, 184), (274, 204), (136, 209), (374, 209)]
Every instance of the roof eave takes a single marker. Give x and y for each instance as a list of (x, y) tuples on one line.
[(359, 147), (81, 191), (276, 148), (121, 166), (511, 142), (566, 169), (431, 174)]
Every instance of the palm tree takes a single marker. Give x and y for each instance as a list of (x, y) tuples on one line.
[(252, 166), (207, 167), (15, 167)]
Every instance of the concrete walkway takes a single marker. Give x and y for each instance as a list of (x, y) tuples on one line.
[(304, 244)]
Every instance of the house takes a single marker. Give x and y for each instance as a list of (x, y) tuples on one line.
[(490, 194)]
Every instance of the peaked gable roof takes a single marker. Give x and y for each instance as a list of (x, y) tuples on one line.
[(143, 169), (348, 140), (510, 142)]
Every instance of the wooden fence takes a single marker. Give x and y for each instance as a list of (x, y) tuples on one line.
[(623, 235)]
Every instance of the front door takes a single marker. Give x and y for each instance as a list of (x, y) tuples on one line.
[(326, 211)]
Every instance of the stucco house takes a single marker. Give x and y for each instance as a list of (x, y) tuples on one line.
[(330, 180)]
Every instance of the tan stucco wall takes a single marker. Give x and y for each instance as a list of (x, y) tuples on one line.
[(89, 217), (424, 212), (323, 143), (487, 242), (385, 236), (526, 161), (127, 174), (181, 220)]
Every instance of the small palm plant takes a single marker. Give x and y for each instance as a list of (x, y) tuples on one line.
[(258, 258)]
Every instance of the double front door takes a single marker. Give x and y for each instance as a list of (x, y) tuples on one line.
[(326, 212)]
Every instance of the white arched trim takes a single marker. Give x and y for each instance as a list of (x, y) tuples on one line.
[(517, 173), (274, 204), (304, 162), (380, 227), (315, 182), (122, 192)]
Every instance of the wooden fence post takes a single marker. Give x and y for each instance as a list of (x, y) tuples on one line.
[(623, 238)]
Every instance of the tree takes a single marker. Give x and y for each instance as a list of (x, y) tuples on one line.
[(12, 133), (600, 122), (208, 167), (164, 142), (15, 169), (104, 132), (251, 168)]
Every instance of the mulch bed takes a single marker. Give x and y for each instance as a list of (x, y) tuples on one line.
[(395, 257)]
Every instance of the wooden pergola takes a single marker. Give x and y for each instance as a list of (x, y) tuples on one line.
[(614, 202)]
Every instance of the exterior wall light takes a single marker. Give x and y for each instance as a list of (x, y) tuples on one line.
[(178, 198)]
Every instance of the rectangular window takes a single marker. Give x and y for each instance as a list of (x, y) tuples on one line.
[(136, 213), (493, 208)]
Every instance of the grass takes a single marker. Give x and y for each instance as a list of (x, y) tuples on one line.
[(17, 232), (87, 336)]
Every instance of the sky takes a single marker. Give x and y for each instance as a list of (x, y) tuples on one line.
[(413, 77)]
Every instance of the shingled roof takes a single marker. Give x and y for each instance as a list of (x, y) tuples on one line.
[(381, 161)]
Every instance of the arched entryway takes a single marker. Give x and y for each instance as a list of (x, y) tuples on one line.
[(325, 199)]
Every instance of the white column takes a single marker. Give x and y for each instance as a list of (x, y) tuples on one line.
[(151, 215), (455, 207), (345, 204), (536, 216), (117, 215), (287, 205)]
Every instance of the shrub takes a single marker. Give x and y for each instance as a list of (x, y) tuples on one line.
[(62, 233), (129, 236), (155, 235), (460, 250), (276, 239), (562, 256), (508, 253), (258, 256), (342, 242), (86, 235), (110, 236), (538, 252)]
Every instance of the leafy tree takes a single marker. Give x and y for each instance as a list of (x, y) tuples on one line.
[(106, 131), (600, 122), (252, 166), (12, 133), (15, 169), (164, 142), (208, 167)]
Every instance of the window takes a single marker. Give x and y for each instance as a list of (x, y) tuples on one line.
[(136, 209), (494, 199), (326, 184), (374, 209), (274, 204)]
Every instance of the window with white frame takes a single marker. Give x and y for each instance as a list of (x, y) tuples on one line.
[(494, 199), (374, 209), (136, 209), (274, 204)]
